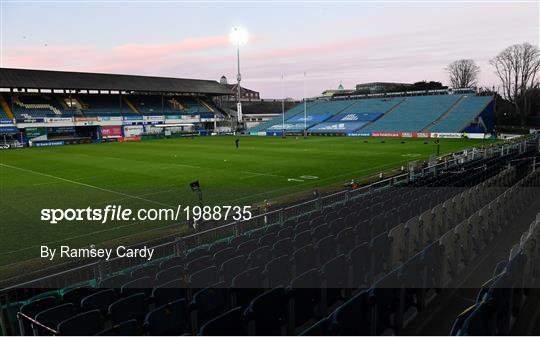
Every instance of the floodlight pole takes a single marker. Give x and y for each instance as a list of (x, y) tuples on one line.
[(305, 107), (238, 79), (282, 108)]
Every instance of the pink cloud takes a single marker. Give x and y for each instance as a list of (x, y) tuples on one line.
[(127, 57)]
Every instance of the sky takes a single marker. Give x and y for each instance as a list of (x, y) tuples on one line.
[(346, 42)]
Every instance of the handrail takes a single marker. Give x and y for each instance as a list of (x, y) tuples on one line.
[(469, 157), (33, 321)]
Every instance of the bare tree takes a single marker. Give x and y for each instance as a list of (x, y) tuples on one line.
[(463, 73), (517, 68)]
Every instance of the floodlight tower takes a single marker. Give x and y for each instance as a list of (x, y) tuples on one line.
[(238, 37)]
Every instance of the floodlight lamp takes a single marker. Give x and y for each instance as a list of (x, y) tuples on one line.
[(238, 36)]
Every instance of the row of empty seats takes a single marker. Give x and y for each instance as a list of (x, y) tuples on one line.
[(309, 265), (461, 115), (433, 113), (501, 298), (413, 114), (60, 105)]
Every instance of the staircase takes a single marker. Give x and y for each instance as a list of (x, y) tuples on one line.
[(130, 105), (444, 115), (207, 105), (5, 106)]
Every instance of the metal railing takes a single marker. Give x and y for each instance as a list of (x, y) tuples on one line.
[(98, 270)]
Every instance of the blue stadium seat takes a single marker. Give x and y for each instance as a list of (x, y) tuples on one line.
[(100, 300), (208, 303), (305, 292), (75, 295), (140, 285), (301, 239), (203, 278), (276, 271), (196, 253), (172, 262), (478, 322), (457, 326), (335, 276), (326, 249), (499, 302), (169, 292), (216, 247), (32, 308), (345, 240), (149, 270), (223, 255), (301, 227), (380, 251), (462, 114), (267, 239), (168, 320), (267, 313), (303, 259), (352, 317), (362, 231), (232, 267), (282, 247), (260, 256), (247, 247), (115, 281), (84, 324), (198, 264), (285, 233), (131, 307), (386, 297), (318, 329), (127, 328), (53, 316), (320, 232), (360, 259), (234, 242), (230, 323), (170, 274), (413, 114), (246, 286)]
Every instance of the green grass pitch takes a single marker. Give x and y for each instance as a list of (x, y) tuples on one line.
[(156, 173)]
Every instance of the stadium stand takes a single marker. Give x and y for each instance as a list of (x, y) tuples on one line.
[(152, 104), (296, 110), (428, 113), (3, 114), (5, 109), (356, 115), (317, 114), (406, 245), (35, 105), (502, 298), (53, 105), (103, 105), (67, 94), (457, 119), (414, 114)]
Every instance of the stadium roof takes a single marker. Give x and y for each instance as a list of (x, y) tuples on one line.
[(47, 79)]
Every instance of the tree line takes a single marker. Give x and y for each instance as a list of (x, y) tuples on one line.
[(517, 68)]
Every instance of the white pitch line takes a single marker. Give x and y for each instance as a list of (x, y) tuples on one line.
[(86, 185)]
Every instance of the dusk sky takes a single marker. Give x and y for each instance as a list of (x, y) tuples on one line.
[(348, 42)]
